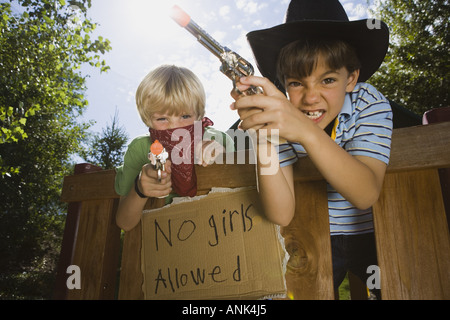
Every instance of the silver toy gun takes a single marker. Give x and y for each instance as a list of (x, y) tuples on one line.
[(233, 65)]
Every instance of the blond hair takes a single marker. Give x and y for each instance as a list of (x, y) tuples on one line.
[(170, 89)]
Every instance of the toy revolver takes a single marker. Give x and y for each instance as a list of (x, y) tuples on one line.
[(158, 157), (233, 65)]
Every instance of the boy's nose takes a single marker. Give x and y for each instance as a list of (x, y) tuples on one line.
[(173, 123), (311, 96)]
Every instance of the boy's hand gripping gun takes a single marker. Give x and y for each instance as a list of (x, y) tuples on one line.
[(233, 65)]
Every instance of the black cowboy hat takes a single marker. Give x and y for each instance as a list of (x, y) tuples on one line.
[(321, 19)]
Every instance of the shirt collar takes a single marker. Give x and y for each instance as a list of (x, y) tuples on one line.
[(347, 107)]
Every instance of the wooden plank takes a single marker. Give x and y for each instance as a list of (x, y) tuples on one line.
[(69, 238), (67, 250), (412, 237), (225, 175), (309, 272), (131, 277), (97, 250), (111, 262), (89, 186), (444, 177), (358, 289), (420, 147)]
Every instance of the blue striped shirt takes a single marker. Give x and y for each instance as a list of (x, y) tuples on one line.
[(364, 129)]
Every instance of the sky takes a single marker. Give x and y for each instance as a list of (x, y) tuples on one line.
[(143, 36)]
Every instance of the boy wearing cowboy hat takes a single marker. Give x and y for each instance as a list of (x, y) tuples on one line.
[(321, 59)]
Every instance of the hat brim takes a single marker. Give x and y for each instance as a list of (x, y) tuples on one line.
[(370, 38)]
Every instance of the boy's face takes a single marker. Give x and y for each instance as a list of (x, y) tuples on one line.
[(165, 121), (321, 95)]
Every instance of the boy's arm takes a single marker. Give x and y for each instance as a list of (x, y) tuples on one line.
[(214, 145), (275, 183), (130, 208), (357, 178), (276, 189)]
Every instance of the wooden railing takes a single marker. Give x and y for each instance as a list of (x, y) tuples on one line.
[(411, 227)]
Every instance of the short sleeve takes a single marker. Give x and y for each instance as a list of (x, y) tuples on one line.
[(286, 154), (373, 130), (135, 157)]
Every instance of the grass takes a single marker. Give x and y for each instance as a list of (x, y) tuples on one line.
[(344, 289)]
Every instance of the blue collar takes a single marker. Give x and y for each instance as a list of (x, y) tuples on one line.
[(347, 108)]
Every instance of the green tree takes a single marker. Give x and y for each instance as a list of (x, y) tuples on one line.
[(106, 149), (42, 48), (416, 71)]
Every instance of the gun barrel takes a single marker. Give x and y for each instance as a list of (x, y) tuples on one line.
[(233, 65), (185, 21)]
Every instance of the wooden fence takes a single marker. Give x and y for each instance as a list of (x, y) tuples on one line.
[(411, 227)]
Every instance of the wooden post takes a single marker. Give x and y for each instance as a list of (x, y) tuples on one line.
[(412, 237), (70, 238), (438, 115), (96, 241), (358, 289), (411, 231), (97, 250), (309, 273), (131, 277)]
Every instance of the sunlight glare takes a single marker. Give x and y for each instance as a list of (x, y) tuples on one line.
[(151, 18)]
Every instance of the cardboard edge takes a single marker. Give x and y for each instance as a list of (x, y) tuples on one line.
[(213, 192)]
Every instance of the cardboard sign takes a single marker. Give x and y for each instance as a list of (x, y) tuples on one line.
[(218, 246)]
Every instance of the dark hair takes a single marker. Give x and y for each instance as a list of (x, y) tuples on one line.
[(299, 58)]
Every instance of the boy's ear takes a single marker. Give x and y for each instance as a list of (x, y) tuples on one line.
[(352, 80)]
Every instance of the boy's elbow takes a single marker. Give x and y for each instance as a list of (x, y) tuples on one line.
[(283, 220), (121, 225), (367, 202), (125, 228), (124, 225), (363, 206)]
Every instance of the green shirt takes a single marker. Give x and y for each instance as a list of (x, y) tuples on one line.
[(136, 156)]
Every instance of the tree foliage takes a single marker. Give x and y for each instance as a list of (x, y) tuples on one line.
[(416, 71), (42, 48), (106, 149)]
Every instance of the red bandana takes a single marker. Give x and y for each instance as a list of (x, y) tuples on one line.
[(179, 143)]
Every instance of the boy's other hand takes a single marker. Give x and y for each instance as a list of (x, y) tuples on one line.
[(207, 152)]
